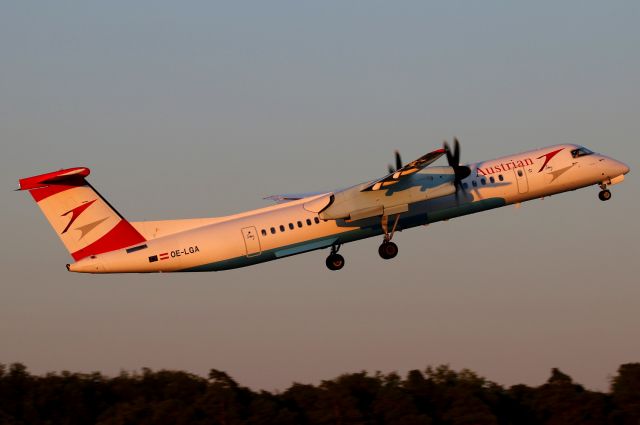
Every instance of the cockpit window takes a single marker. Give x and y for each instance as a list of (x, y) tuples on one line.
[(580, 152)]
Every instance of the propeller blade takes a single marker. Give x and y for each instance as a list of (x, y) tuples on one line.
[(447, 151), (456, 151), (398, 161), (461, 171)]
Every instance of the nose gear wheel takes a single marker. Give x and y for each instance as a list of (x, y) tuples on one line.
[(604, 195)]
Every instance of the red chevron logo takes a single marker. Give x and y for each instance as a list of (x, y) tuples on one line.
[(75, 213), (547, 157)]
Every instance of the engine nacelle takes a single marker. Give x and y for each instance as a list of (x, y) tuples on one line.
[(354, 204)]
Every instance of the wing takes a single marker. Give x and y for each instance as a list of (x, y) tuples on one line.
[(407, 170), (288, 197)]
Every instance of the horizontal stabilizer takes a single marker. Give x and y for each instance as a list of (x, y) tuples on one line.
[(69, 176)]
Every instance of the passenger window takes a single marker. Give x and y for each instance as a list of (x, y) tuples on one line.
[(308, 222), (291, 226), (483, 181), (299, 224), (281, 228), (520, 173), (317, 220), (474, 183), (492, 180), (501, 178), (264, 232), (273, 230)]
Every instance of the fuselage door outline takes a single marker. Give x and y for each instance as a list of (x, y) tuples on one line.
[(521, 178), (251, 241)]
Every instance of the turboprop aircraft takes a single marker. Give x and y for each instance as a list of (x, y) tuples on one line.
[(101, 240)]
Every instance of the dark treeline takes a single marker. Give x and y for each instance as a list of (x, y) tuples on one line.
[(433, 396)]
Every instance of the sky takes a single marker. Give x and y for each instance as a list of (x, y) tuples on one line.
[(200, 109)]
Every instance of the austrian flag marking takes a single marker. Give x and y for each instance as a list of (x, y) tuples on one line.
[(164, 256)]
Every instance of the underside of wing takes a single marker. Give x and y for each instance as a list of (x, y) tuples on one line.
[(407, 170)]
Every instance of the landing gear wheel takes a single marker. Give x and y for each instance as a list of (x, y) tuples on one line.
[(335, 262), (604, 195), (388, 250)]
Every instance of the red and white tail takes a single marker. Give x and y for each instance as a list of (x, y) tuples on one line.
[(85, 222)]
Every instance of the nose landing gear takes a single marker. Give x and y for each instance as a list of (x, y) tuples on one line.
[(335, 261), (605, 194), (388, 249)]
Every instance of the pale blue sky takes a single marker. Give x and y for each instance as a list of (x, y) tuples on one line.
[(202, 108)]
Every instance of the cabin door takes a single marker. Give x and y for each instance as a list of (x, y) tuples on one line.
[(251, 241), (521, 178)]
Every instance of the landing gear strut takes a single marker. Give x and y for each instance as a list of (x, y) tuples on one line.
[(335, 261), (604, 194), (388, 249)]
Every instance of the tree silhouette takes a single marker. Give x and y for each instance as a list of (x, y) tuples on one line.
[(435, 396), (625, 390)]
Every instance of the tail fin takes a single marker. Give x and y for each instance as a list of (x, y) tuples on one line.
[(85, 222)]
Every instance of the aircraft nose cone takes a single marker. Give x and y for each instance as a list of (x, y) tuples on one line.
[(624, 168)]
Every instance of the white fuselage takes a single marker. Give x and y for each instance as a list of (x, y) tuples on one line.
[(294, 227)]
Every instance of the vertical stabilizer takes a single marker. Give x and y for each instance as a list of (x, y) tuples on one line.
[(85, 222)]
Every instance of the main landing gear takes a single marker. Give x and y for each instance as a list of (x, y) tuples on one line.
[(388, 249), (335, 261), (605, 194)]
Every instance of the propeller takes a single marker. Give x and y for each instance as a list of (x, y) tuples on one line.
[(398, 163), (453, 158)]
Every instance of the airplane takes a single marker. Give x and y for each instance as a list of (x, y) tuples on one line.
[(101, 240)]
